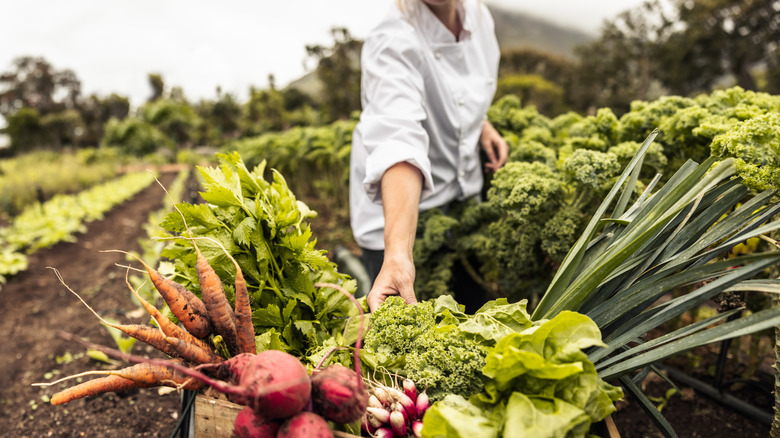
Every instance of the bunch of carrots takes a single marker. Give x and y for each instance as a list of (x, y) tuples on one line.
[(189, 343)]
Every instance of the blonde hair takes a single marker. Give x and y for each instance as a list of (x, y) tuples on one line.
[(409, 7)]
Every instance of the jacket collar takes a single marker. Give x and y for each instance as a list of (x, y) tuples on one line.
[(436, 32)]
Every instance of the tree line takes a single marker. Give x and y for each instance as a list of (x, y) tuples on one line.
[(661, 47)]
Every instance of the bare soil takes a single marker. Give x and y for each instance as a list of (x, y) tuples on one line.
[(36, 307)]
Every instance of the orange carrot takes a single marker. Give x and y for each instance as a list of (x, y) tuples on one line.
[(95, 387), (243, 312), (244, 326), (145, 373), (158, 375), (219, 310), (188, 308), (166, 325), (192, 352), (143, 333)]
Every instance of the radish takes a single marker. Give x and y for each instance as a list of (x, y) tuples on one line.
[(250, 425), (382, 396), (422, 404), (338, 394), (381, 414), (417, 428), (369, 424), (374, 402), (410, 389), (385, 432), (404, 400), (398, 423), (305, 425)]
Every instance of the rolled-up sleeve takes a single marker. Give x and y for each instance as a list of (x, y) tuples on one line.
[(390, 126)]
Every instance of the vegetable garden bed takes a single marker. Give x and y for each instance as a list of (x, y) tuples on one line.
[(36, 308)]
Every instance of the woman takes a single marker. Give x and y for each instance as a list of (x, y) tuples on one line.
[(429, 73)]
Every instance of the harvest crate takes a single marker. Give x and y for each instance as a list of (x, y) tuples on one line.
[(214, 416)]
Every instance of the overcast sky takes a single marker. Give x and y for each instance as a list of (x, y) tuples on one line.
[(198, 44)]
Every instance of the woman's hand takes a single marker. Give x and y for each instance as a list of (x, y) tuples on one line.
[(395, 278), (494, 146)]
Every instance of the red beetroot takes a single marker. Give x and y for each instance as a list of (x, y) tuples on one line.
[(250, 425), (274, 369), (338, 394), (230, 370), (305, 425)]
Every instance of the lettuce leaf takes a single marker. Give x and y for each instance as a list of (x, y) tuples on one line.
[(456, 417), (543, 417)]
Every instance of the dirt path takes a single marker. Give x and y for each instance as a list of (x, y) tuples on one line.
[(35, 307)]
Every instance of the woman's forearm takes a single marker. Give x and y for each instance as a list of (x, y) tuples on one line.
[(401, 190)]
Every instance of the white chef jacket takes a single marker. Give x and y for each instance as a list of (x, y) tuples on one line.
[(424, 96)]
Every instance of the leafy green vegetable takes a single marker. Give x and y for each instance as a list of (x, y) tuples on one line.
[(755, 143), (438, 357), (265, 228), (560, 169), (41, 225), (538, 382), (456, 417)]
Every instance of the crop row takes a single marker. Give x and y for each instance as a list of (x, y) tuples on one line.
[(59, 219)]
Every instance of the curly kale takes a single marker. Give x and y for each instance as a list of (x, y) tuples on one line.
[(597, 132), (440, 358), (591, 169), (654, 159), (434, 254), (508, 115), (395, 327), (755, 144), (644, 117), (524, 188), (533, 152), (561, 231)]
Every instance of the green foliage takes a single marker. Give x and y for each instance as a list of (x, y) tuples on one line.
[(28, 177), (24, 129), (424, 343), (62, 128), (174, 118), (559, 170), (538, 382), (265, 228), (755, 144), (590, 169), (533, 90), (338, 70), (300, 152), (35, 83), (134, 136), (62, 217)]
